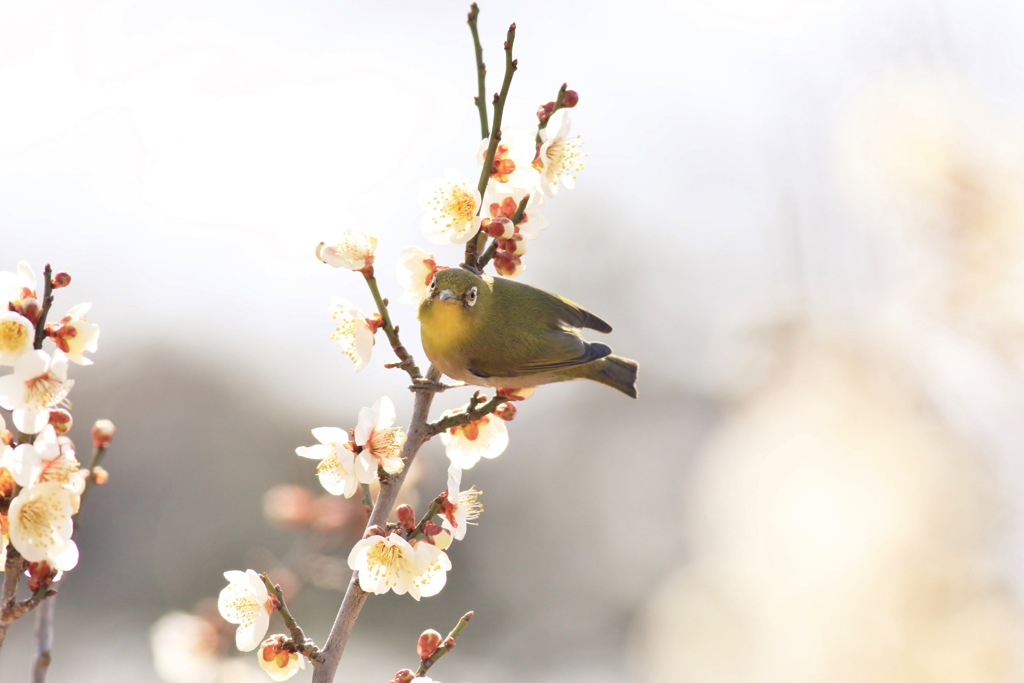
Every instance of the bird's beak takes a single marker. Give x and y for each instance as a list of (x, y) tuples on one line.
[(445, 295)]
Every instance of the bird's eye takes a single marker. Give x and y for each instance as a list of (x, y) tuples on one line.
[(471, 296), (433, 283)]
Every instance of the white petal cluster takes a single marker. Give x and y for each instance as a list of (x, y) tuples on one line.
[(451, 207), (391, 563), (559, 155), (465, 506), (39, 382), (245, 602), (340, 471), (354, 251), (352, 332), (40, 525), (486, 437), (415, 270), (377, 436)]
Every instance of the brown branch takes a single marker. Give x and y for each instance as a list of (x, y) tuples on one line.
[(477, 408), (406, 361)]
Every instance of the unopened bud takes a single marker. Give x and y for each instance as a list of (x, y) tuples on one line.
[(508, 265), (40, 575), (406, 516), (100, 475), (515, 244), (61, 421), (403, 676), (60, 280), (544, 111), (375, 530), (570, 99), (506, 411), (31, 310), (102, 433), (500, 227), (428, 643)]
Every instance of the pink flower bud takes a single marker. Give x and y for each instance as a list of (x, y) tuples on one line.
[(60, 280), (61, 421), (102, 433), (403, 676), (499, 227), (100, 475), (406, 516), (544, 111), (428, 643), (506, 411)]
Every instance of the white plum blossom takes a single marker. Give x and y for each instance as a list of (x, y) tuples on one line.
[(376, 436), (184, 648), (354, 251), (246, 602), (277, 661), (450, 207), (486, 437), (353, 331), (39, 382), (17, 334), (430, 570), (74, 334), (40, 525), (340, 471), (384, 563), (558, 159), (391, 563), (17, 286), (460, 507), (415, 270)]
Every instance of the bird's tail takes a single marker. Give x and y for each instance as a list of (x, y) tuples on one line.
[(617, 372)]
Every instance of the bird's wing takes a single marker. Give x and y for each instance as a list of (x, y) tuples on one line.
[(561, 351), (574, 315), (554, 310)]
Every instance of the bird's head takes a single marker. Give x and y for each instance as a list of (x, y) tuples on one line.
[(456, 287)]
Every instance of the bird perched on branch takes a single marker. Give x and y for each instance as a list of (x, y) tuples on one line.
[(494, 332)]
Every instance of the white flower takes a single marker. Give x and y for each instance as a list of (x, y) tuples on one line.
[(484, 438), (49, 458), (184, 648), (559, 157), (390, 563), (353, 332), (430, 570), (74, 334), (39, 382), (354, 251), (17, 334), (245, 601), (376, 436), (340, 471), (451, 207), (460, 507), (278, 662), (415, 270), (15, 287), (40, 525), (384, 563)]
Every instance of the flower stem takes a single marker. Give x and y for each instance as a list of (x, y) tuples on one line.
[(302, 644), (418, 434), (558, 105), (47, 302), (435, 507), (407, 362), (481, 71), (449, 645), (472, 246)]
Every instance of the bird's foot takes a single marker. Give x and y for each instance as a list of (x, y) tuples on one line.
[(424, 385)]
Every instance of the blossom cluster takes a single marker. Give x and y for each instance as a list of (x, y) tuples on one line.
[(41, 480)]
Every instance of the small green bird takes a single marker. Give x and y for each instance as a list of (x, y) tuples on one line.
[(494, 332)]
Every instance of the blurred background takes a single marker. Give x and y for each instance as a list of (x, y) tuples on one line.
[(804, 219)]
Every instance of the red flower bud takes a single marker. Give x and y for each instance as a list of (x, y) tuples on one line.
[(60, 280), (544, 111), (570, 99), (403, 676), (428, 643), (406, 516), (61, 421)]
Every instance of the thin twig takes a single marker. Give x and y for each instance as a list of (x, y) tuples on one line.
[(481, 72), (44, 640), (474, 412), (390, 485), (473, 246), (47, 302), (448, 646), (407, 362), (299, 641)]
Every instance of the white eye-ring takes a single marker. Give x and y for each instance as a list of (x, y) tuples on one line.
[(471, 296)]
